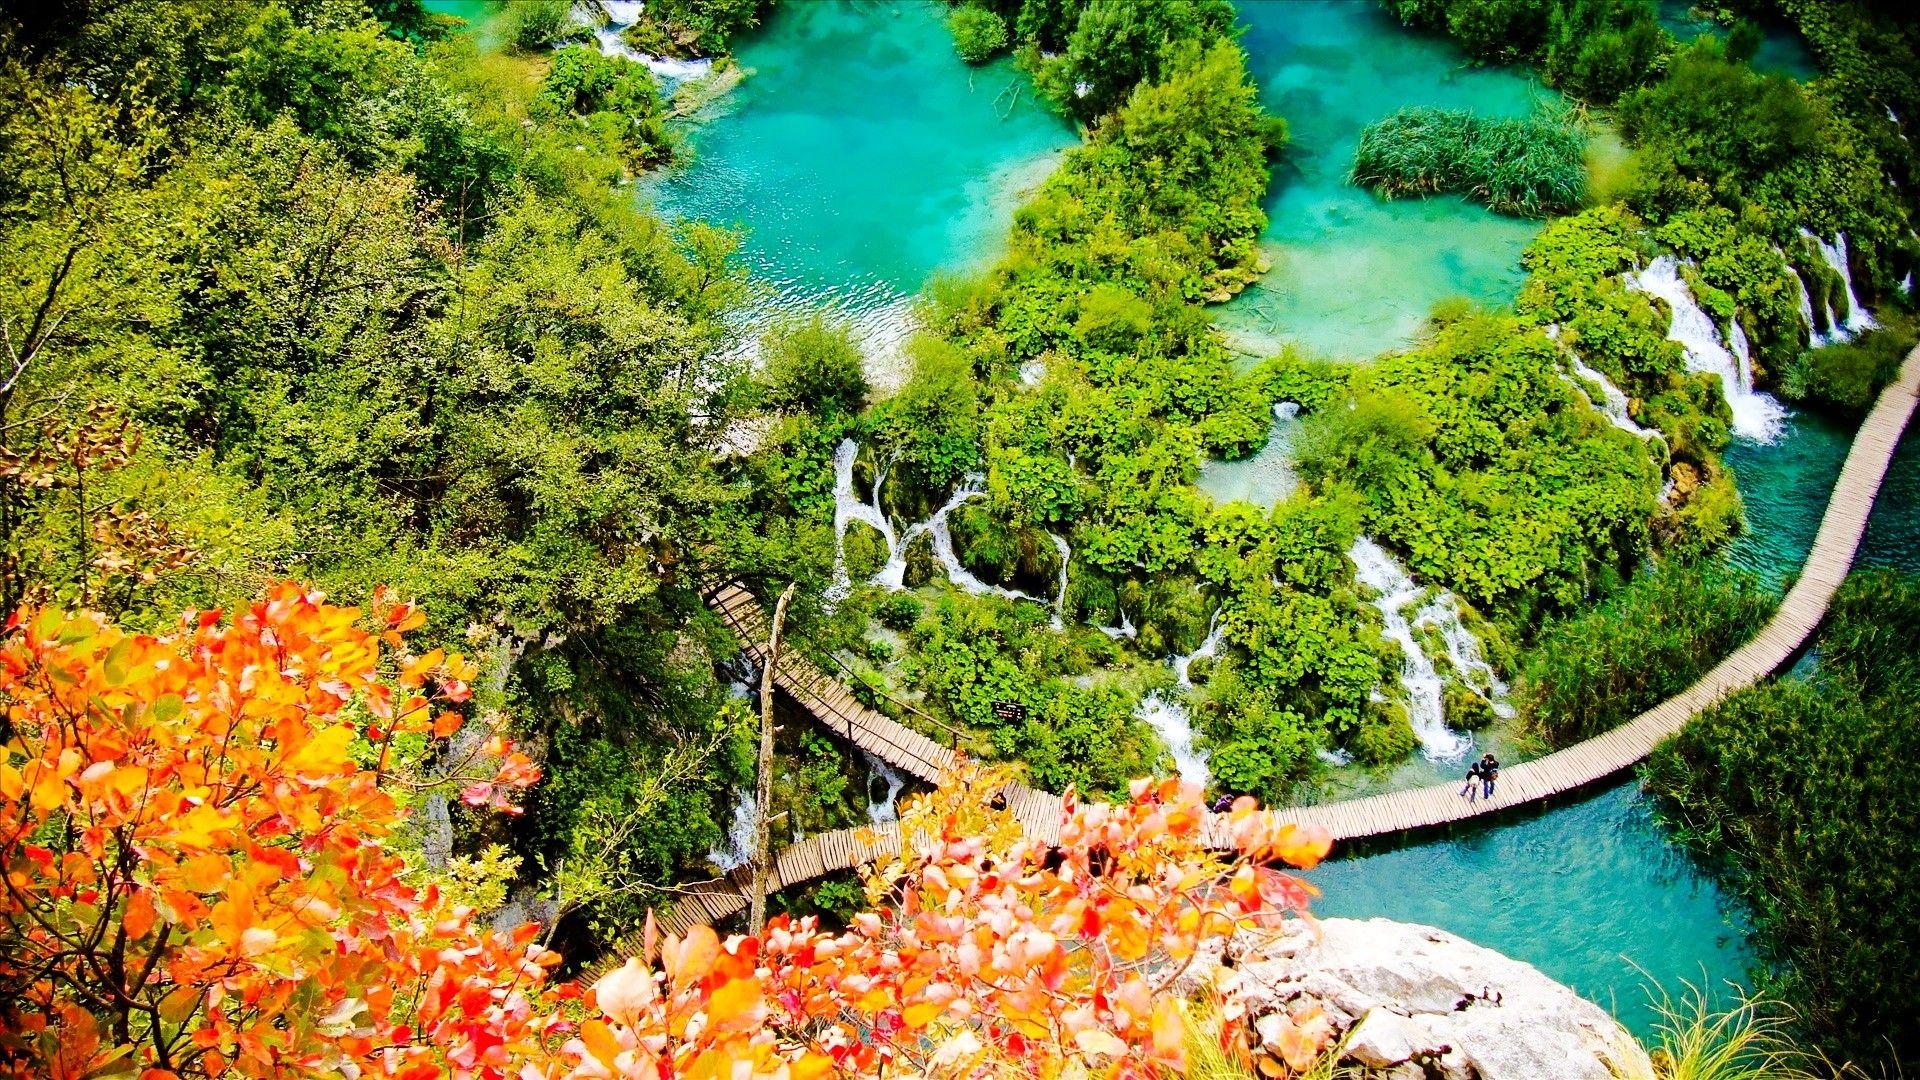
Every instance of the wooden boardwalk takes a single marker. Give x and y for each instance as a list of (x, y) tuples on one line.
[(1562, 771)]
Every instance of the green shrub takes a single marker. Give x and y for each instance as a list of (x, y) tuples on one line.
[(814, 366), (537, 25), (978, 34), (1532, 167), (897, 611), (1801, 792), (1591, 672), (1847, 377)]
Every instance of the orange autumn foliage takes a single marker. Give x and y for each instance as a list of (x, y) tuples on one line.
[(195, 833), (196, 881)]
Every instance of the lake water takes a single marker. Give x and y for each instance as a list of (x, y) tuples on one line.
[(860, 156), (1353, 275)]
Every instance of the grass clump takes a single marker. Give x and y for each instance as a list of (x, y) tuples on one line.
[(1528, 166), (1591, 672)]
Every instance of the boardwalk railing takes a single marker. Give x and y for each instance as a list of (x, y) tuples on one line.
[(1562, 771)]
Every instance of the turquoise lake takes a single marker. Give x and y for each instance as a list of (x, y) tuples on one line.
[(860, 156), (1353, 274)]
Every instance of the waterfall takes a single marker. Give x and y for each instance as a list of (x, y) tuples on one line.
[(1463, 650), (1814, 336), (1209, 648), (1126, 629), (1613, 400), (1756, 416), (1060, 591), (886, 809), (1835, 254), (1169, 717), (624, 13), (847, 509), (1395, 590), (943, 552), (738, 849)]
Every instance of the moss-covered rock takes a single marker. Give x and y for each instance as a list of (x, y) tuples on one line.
[(1384, 737), (1466, 709), (920, 567), (866, 550)]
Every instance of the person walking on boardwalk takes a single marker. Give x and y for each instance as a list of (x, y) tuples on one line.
[(1489, 772), (1472, 787)]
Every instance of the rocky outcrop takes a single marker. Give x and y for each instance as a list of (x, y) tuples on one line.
[(1416, 1003)]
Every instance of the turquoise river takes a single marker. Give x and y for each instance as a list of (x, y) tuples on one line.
[(861, 158)]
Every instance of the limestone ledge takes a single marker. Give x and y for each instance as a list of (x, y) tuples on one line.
[(1415, 1003)]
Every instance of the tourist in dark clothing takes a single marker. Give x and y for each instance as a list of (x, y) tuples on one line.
[(1489, 772), (1472, 787)]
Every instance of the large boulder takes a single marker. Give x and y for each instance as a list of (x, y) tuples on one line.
[(1416, 1003)]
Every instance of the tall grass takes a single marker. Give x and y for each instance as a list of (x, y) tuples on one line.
[(1752, 1039), (1532, 166), (1589, 673)]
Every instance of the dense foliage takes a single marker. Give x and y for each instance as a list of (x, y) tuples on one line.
[(1590, 49), (1646, 641), (1801, 791), (1532, 166), (289, 294), (198, 832)]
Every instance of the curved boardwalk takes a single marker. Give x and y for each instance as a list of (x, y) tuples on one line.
[(1562, 771)]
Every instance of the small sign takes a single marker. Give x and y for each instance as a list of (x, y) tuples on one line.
[(1011, 712)]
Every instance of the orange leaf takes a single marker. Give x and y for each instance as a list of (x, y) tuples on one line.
[(736, 1006)]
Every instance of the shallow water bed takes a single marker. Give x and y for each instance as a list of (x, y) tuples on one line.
[(860, 156), (1354, 274)]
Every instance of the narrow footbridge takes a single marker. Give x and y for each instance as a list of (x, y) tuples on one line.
[(1562, 771)]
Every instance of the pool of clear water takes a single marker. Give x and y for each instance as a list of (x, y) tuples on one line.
[(1354, 274), (1590, 892), (860, 156)]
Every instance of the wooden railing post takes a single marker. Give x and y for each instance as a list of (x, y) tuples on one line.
[(763, 789)]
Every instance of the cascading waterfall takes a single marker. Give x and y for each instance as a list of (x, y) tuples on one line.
[(1756, 416), (624, 13), (1394, 590), (738, 850), (1168, 716), (1125, 629), (880, 811), (1814, 336), (1835, 254), (847, 509), (1060, 591), (1613, 400), (1170, 720), (1463, 650)]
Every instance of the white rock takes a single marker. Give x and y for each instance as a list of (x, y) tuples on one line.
[(1414, 994)]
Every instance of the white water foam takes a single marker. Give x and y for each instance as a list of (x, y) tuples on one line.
[(1756, 416), (887, 808), (1463, 650), (738, 848), (1394, 591), (848, 507), (624, 13), (1613, 400), (1060, 591), (1835, 254), (1170, 721)]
